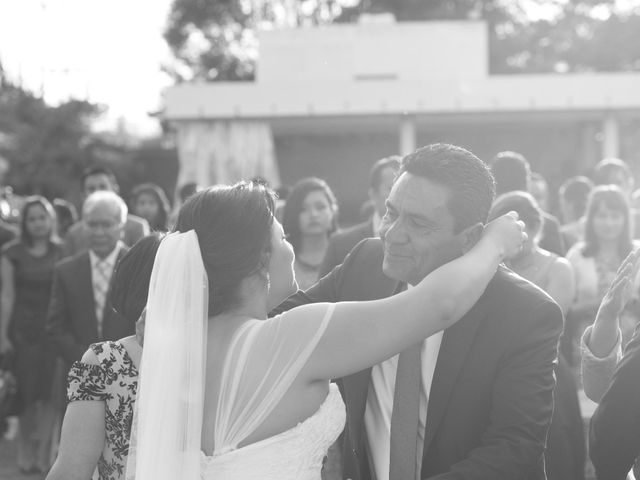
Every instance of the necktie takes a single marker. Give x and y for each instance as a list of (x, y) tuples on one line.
[(405, 416), (100, 289)]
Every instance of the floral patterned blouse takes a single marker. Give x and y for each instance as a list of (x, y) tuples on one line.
[(114, 381)]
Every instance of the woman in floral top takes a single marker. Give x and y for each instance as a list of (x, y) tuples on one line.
[(103, 385)]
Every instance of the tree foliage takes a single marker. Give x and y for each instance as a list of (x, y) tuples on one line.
[(215, 40), (45, 145)]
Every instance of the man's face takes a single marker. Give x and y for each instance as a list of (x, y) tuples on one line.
[(104, 229), (379, 195), (97, 182), (418, 229)]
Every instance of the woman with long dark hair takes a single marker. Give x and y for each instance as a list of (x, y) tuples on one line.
[(150, 202), (309, 218), (26, 269)]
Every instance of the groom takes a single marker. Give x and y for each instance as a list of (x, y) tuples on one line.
[(473, 402)]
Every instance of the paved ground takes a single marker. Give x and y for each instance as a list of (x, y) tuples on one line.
[(9, 469)]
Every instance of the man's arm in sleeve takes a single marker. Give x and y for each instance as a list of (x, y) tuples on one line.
[(513, 444), (614, 435), (58, 323)]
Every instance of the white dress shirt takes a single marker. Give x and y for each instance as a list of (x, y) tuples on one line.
[(377, 415), (110, 262)]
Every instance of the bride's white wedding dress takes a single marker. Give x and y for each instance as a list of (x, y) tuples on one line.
[(262, 362), (295, 454)]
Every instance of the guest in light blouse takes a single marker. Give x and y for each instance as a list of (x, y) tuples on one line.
[(595, 261)]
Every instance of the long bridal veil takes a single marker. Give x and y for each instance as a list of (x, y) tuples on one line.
[(166, 435)]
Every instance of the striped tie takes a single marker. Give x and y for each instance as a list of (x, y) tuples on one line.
[(100, 288)]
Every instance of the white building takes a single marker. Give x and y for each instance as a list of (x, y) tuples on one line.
[(330, 101)]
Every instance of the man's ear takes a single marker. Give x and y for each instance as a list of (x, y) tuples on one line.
[(470, 236)]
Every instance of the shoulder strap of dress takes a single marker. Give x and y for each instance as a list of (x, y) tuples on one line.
[(263, 362)]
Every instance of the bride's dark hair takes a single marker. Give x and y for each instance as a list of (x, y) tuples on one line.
[(233, 224)]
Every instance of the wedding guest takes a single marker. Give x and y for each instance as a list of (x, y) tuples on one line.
[(601, 344), (574, 194), (565, 454), (26, 269), (614, 171), (614, 437), (540, 191), (79, 313), (101, 179), (512, 172), (549, 271), (103, 385), (595, 261), (309, 218), (381, 178), (67, 215), (183, 193), (149, 201)]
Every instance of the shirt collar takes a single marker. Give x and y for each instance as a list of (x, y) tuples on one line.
[(109, 260)]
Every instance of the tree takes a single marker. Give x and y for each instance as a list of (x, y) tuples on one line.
[(215, 40), (45, 145)]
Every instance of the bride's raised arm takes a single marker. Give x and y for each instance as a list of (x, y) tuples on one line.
[(361, 334)]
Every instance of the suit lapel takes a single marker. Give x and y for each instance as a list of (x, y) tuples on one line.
[(106, 312), (85, 290), (456, 344)]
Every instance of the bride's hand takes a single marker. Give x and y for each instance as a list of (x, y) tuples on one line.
[(507, 234)]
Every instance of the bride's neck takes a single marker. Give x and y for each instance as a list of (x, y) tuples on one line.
[(252, 299)]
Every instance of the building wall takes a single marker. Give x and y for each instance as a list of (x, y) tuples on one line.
[(557, 151)]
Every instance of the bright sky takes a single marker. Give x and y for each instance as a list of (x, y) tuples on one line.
[(106, 51)]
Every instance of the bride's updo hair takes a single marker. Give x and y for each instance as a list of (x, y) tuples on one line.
[(233, 224)]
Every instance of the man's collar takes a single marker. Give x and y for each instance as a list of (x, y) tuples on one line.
[(109, 259)]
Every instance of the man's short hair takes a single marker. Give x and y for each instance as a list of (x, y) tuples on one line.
[(375, 175), (575, 191), (105, 197), (604, 169), (99, 170), (466, 176), (511, 172)]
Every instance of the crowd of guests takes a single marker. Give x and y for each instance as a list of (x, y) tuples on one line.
[(70, 281), (55, 274)]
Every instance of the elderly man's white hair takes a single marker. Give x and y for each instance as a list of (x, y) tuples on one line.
[(109, 199)]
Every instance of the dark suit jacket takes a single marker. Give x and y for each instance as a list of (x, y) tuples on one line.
[(341, 243), (71, 319), (76, 239), (491, 397), (614, 437)]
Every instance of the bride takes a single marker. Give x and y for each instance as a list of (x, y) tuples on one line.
[(226, 393)]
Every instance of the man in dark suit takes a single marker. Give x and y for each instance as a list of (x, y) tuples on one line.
[(79, 311), (381, 178), (96, 179), (484, 385)]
